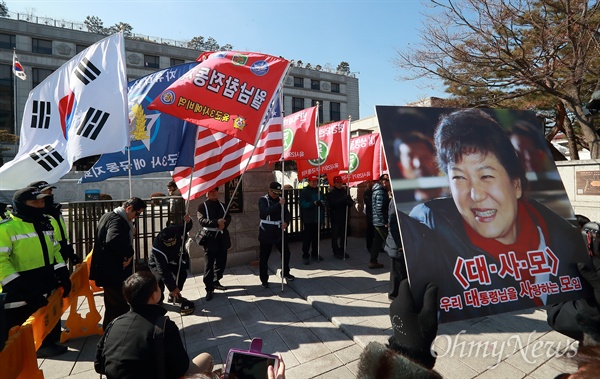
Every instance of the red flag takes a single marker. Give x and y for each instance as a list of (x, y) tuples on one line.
[(220, 157), (228, 91), (333, 151), (299, 135), (365, 160)]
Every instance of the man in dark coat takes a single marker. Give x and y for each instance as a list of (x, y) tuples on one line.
[(338, 204), (212, 217), (381, 201), (112, 255), (312, 208), (270, 231), (169, 262)]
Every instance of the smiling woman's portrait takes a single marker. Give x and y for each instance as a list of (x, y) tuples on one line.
[(489, 246)]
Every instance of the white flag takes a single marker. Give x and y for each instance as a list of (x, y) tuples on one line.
[(78, 111)]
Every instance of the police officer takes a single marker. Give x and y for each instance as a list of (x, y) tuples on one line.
[(54, 209), (269, 233), (31, 266), (214, 220)]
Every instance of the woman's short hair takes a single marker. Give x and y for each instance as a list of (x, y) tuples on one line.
[(472, 131), (139, 287)]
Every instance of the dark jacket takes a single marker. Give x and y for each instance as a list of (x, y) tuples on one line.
[(381, 202), (434, 237), (269, 209), (368, 204), (338, 203), (113, 245), (216, 210), (308, 210), (163, 256), (130, 349)]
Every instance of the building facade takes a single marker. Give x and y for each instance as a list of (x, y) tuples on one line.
[(43, 45)]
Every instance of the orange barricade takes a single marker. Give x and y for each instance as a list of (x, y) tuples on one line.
[(18, 359), (76, 325), (88, 260), (43, 320)]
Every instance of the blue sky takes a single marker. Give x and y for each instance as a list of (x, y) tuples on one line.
[(366, 33)]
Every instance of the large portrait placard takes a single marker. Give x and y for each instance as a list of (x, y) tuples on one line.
[(482, 209)]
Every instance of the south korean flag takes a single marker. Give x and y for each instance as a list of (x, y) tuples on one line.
[(80, 110)]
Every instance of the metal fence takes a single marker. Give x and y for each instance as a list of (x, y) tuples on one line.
[(82, 219)]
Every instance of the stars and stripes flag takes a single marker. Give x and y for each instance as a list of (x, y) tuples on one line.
[(17, 68), (78, 111), (229, 92), (300, 135), (220, 157), (158, 141)]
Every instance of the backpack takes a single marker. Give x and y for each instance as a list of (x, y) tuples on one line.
[(159, 327), (590, 233)]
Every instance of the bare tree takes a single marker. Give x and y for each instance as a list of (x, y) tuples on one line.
[(496, 51)]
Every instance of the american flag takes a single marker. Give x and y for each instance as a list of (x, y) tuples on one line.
[(220, 157)]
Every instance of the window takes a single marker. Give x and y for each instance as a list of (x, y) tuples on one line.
[(297, 104), (320, 109), (298, 82), (41, 46), (315, 84), (6, 98), (334, 111), (8, 41), (39, 74), (335, 87), (151, 61), (80, 48), (175, 61)]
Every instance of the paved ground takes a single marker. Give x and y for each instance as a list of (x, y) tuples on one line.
[(321, 321)]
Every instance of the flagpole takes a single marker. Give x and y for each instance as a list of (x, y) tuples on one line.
[(187, 211), (282, 194), (318, 191), (14, 78), (347, 190)]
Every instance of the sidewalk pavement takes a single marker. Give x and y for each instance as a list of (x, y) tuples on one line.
[(321, 321)]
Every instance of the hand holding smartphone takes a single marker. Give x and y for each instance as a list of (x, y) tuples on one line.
[(242, 364)]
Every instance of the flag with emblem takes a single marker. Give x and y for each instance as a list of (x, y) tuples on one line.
[(220, 157), (78, 111), (17, 68), (158, 141), (300, 135), (365, 160), (228, 92), (333, 150)]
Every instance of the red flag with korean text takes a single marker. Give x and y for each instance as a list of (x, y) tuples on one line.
[(299, 135), (333, 151), (365, 160), (228, 92)]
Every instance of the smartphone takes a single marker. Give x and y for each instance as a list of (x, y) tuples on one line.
[(241, 364)]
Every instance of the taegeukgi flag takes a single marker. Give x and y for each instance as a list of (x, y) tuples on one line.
[(78, 111)]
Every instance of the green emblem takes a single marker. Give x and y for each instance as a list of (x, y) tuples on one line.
[(354, 162), (288, 138), (323, 153)]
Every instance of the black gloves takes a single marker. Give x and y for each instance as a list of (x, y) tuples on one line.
[(414, 330), (64, 280), (318, 203), (19, 287), (68, 253), (35, 299)]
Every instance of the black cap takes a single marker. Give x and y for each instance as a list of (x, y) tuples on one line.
[(169, 235), (275, 187), (29, 193), (41, 185), (384, 177)]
